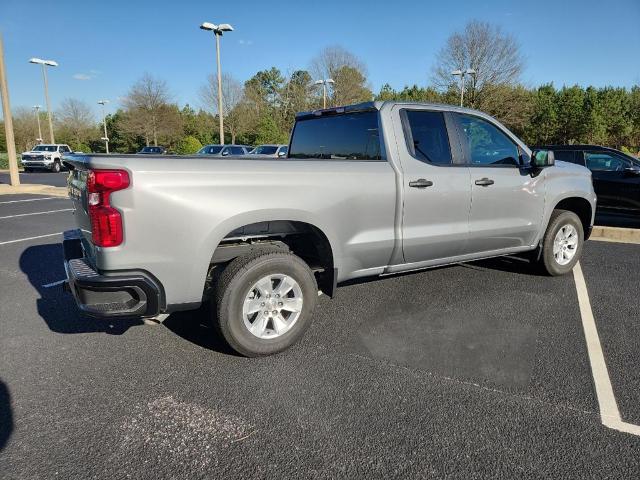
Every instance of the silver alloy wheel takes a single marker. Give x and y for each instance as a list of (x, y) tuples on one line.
[(565, 244), (272, 306)]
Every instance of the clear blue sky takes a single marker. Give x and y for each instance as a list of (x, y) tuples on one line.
[(103, 47)]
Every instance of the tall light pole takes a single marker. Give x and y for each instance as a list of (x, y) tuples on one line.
[(324, 84), (14, 176), (104, 122), (36, 109), (45, 64), (218, 30), (462, 73)]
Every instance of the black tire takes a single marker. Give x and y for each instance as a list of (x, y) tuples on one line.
[(56, 167), (234, 285), (558, 220), (27, 170)]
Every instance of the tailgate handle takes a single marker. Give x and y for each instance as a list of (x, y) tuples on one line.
[(420, 183)]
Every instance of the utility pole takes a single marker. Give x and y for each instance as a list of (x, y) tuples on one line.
[(45, 64), (36, 108), (8, 121), (462, 73), (104, 122), (218, 30), (324, 83)]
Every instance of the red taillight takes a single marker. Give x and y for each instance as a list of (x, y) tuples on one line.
[(106, 221)]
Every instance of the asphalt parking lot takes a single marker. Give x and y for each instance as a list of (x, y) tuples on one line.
[(471, 371), (42, 178)]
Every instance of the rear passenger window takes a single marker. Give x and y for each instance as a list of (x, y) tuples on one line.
[(349, 136), (427, 138)]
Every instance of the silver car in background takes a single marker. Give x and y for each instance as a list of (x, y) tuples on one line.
[(224, 150), (271, 151)]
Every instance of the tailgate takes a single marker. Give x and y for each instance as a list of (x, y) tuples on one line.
[(77, 185)]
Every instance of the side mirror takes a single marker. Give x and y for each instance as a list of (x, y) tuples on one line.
[(632, 171), (543, 158), (225, 153), (282, 154)]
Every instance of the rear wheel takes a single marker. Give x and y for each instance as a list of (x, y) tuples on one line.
[(264, 302), (562, 243)]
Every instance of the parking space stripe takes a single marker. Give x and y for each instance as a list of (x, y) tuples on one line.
[(33, 200), (36, 213), (609, 413), (30, 238)]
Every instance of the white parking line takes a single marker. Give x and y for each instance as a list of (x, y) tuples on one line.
[(36, 213), (33, 200), (30, 238), (609, 413)]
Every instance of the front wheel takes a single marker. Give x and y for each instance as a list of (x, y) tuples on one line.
[(562, 243), (55, 168), (264, 302)]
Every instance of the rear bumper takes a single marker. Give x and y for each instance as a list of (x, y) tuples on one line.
[(107, 294)]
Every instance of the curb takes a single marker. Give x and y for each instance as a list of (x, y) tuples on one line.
[(33, 189), (615, 234)]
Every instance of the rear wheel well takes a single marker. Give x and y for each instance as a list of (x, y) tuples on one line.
[(579, 206), (303, 239)]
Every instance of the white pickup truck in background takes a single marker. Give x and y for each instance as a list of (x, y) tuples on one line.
[(45, 157)]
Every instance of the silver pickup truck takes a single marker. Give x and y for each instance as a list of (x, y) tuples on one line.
[(366, 190)]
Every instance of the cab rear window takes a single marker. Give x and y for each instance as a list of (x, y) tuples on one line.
[(349, 136)]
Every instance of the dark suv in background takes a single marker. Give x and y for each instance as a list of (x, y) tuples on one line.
[(616, 175)]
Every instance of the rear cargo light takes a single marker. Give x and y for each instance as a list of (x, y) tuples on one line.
[(106, 221)]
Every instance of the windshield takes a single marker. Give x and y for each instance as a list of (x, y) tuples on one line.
[(210, 150), (265, 150), (45, 148)]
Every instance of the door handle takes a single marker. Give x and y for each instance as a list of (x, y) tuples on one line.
[(484, 182), (420, 183)]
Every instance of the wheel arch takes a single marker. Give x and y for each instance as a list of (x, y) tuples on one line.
[(581, 207), (293, 232)]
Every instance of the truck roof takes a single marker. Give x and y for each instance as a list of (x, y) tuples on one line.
[(377, 105)]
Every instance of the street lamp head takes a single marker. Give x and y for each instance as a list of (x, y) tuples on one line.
[(330, 80), (37, 107), (470, 71), (208, 26), (456, 72), (318, 82), (217, 29), (39, 61), (103, 102)]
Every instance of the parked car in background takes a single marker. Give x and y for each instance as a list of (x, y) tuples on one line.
[(154, 150), (224, 150), (271, 151), (367, 190), (45, 157), (615, 174)]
